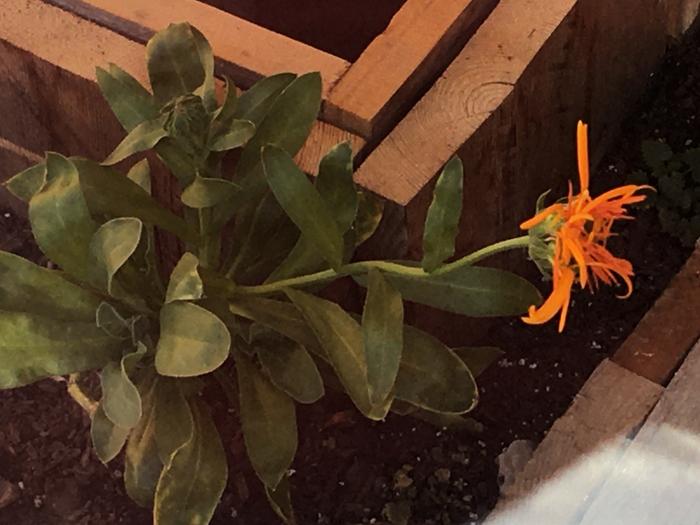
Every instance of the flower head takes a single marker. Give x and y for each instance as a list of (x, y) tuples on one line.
[(569, 240)]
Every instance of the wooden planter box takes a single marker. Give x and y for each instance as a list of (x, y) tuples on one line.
[(628, 445), (393, 49), (501, 83)]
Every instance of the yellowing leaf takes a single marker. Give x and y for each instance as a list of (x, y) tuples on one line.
[(193, 341), (382, 329), (193, 481), (112, 245), (185, 283), (268, 418)]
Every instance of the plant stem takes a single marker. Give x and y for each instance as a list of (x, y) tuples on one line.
[(80, 397), (389, 267)]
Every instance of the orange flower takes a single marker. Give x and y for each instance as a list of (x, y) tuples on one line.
[(572, 235)]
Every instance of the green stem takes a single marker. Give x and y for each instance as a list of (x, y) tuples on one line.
[(389, 267)]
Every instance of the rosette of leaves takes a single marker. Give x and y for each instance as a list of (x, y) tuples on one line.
[(240, 314), (676, 176)]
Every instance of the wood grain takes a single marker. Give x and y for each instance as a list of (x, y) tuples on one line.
[(580, 450), (668, 330), (50, 100), (658, 478), (420, 41), (246, 52), (508, 105)]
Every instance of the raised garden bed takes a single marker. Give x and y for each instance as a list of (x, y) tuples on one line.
[(512, 79), (349, 469)]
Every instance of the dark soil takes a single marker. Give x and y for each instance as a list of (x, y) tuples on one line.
[(343, 28), (352, 471)]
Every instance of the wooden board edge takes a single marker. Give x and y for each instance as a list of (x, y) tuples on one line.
[(244, 51), (666, 333), (610, 408), (368, 100), (31, 26), (423, 141)]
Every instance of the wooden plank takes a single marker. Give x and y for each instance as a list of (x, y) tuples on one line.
[(508, 104), (420, 41), (658, 478), (580, 450), (246, 51), (668, 330), (680, 14), (322, 138), (50, 101)]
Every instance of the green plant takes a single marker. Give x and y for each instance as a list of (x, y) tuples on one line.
[(238, 315), (676, 176)]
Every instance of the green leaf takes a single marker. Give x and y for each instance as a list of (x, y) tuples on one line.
[(185, 283), (382, 330), (111, 322), (107, 192), (140, 173), (27, 183), (692, 159), (433, 377), (672, 186), (175, 62), (228, 107), (256, 102), (334, 184), (655, 153), (33, 347), (142, 138), (207, 91), (112, 245), (174, 419), (470, 290), (121, 401), (192, 483), (280, 500), (142, 465), (235, 135), (342, 340), (107, 438), (289, 366), (281, 317), (268, 419), (205, 193), (478, 358), (128, 99), (193, 341), (303, 204), (27, 287), (286, 125), (61, 221), (442, 222), (263, 233), (370, 209)]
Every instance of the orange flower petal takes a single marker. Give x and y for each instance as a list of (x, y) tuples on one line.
[(534, 221), (555, 302), (582, 147)]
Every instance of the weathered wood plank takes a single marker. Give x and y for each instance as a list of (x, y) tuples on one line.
[(658, 478), (508, 104), (247, 51), (668, 330), (580, 450), (419, 42), (50, 100)]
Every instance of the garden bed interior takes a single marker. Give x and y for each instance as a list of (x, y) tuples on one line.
[(343, 28)]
